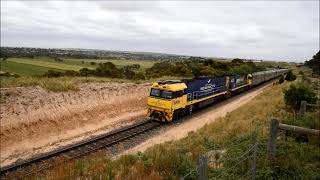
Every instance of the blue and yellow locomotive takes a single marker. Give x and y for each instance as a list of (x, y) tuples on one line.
[(171, 99)]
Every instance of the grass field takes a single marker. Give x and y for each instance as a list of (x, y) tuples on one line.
[(22, 69), (119, 63), (38, 66), (48, 64)]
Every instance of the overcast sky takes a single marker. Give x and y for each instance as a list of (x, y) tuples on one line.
[(285, 31)]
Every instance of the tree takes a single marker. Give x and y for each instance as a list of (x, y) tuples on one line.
[(237, 61), (314, 63)]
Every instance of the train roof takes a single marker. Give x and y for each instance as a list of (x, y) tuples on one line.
[(170, 82)]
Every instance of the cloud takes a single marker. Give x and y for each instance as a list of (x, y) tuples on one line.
[(286, 30)]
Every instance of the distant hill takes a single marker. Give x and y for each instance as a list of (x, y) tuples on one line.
[(87, 53)]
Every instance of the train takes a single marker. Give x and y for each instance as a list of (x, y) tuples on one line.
[(171, 99)]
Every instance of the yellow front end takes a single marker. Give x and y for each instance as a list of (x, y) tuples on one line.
[(167, 99), (159, 109)]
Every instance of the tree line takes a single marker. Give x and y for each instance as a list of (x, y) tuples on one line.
[(165, 68)]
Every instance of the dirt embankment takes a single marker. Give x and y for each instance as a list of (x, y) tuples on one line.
[(34, 121)]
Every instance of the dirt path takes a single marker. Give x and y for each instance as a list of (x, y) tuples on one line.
[(209, 115), (35, 121)]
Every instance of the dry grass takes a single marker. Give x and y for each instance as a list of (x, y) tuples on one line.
[(256, 113)]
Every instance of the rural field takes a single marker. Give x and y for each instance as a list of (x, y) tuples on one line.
[(39, 66)]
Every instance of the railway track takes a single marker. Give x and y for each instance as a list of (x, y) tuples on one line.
[(34, 165)]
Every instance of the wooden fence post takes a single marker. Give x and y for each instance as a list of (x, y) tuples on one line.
[(303, 108), (203, 167), (254, 165), (273, 138)]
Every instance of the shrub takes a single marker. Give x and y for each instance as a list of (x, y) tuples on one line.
[(71, 73), (160, 69), (136, 66), (128, 73), (86, 72), (290, 76), (295, 94), (93, 63), (139, 76), (281, 80), (108, 69), (241, 69), (181, 69), (53, 73)]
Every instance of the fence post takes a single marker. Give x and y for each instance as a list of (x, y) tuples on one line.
[(273, 138), (303, 108), (203, 167), (254, 163)]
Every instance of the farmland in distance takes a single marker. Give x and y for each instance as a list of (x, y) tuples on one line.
[(38, 66)]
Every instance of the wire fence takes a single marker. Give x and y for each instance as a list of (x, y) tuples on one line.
[(219, 163), (222, 163)]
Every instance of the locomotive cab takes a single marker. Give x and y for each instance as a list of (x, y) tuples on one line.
[(165, 99)]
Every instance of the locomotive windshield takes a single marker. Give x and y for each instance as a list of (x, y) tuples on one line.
[(155, 92), (165, 94)]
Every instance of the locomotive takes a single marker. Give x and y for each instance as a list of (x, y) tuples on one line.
[(171, 99)]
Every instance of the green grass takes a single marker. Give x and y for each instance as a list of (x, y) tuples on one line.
[(45, 63), (22, 69)]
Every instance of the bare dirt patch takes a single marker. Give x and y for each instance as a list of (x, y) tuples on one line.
[(209, 115), (35, 121)]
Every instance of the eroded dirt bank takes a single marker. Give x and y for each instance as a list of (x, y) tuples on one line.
[(34, 120), (210, 114)]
